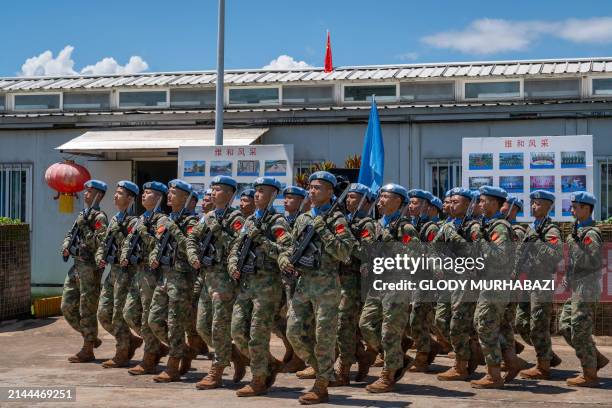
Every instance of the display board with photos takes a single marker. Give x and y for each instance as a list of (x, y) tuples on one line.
[(520, 165), (198, 165)]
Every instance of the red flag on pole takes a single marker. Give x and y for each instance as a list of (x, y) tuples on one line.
[(329, 66)]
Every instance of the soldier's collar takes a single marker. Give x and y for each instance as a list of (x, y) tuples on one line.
[(498, 215), (319, 210), (435, 219), (537, 222), (586, 223), (387, 219), (259, 213), (419, 219)]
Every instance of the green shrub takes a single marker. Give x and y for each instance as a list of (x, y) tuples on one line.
[(11, 221)]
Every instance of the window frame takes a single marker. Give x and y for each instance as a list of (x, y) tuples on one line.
[(210, 88), (429, 81), (331, 86), (28, 167), (89, 91), (490, 80), (591, 90), (365, 84), (560, 78), (454, 166), (228, 89), (118, 92), (13, 106), (4, 108)]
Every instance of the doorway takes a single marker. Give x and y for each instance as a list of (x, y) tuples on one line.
[(151, 170)]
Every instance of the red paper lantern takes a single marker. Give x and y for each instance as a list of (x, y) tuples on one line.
[(67, 177)]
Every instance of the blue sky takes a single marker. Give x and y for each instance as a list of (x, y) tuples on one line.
[(181, 35)]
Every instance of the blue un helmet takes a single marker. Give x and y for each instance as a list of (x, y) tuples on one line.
[(395, 189)]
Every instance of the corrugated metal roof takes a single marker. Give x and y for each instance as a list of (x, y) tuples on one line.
[(477, 69)]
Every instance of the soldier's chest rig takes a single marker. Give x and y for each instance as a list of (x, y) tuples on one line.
[(115, 235), (309, 244), (211, 251), (259, 259), (168, 244), (78, 247)]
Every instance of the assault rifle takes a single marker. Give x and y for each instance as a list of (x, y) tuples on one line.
[(75, 231), (307, 235), (207, 247), (167, 245), (246, 250), (134, 254)]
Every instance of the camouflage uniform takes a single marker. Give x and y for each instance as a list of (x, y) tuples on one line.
[(260, 291), (386, 314), (496, 247), (507, 329), (215, 328), (312, 318), (442, 312), (82, 284), (168, 316), (422, 314), (583, 276), (462, 309), (545, 252), (138, 302), (116, 285), (349, 310)]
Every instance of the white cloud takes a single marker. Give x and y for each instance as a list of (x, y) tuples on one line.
[(108, 65), (47, 65), (285, 62), (490, 36)]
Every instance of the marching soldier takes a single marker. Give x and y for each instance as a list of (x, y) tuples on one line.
[(422, 312), (82, 285), (221, 226), (255, 260), (583, 278), (544, 249), (247, 202), (496, 246), (135, 251), (294, 203), (349, 344), (460, 232), (386, 314), (317, 292), (116, 285), (168, 316)]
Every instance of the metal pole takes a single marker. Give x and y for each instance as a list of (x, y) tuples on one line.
[(220, 69)]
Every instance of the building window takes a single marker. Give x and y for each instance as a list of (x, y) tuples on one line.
[(492, 90), (253, 96), (2, 102), (16, 191), (86, 100), (304, 166), (605, 168), (304, 95), (552, 88), (383, 93), (144, 99), (37, 102), (199, 98), (442, 175), (602, 87), (427, 91)]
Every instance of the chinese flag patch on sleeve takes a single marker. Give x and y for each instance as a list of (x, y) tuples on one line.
[(406, 239), (365, 233), (430, 236), (339, 228), (161, 229), (494, 236), (588, 241), (553, 240), (130, 229), (98, 225), (189, 229), (237, 225), (279, 233)]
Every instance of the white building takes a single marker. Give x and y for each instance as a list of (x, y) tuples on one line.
[(130, 126)]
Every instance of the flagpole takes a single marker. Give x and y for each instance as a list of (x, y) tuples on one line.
[(220, 71)]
